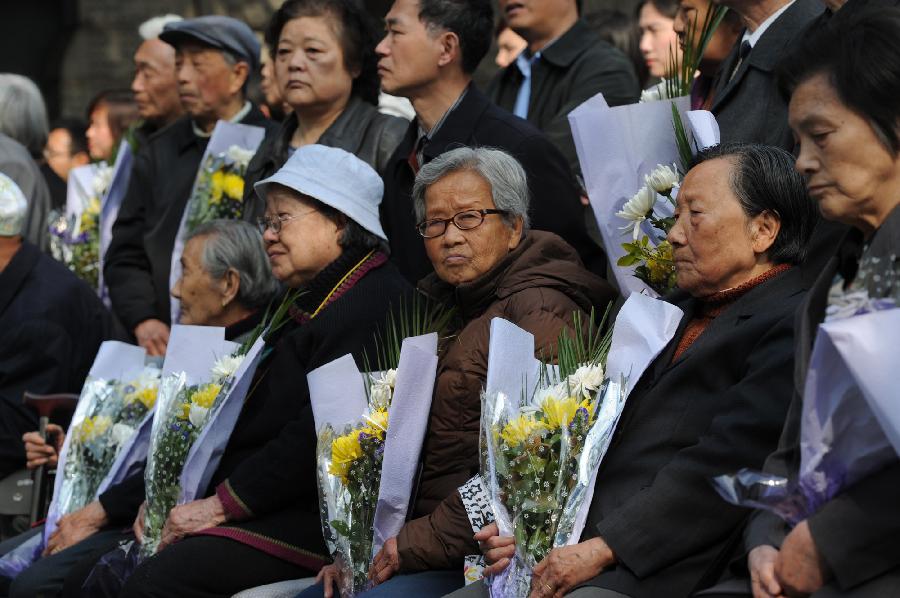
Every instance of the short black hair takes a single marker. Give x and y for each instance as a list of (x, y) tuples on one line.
[(763, 179), (77, 130), (860, 56), (355, 30), (471, 20)]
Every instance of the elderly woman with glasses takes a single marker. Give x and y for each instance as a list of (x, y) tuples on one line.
[(472, 209), (259, 522)]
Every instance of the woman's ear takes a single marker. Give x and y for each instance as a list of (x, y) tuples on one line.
[(764, 230), (518, 229), (230, 286)]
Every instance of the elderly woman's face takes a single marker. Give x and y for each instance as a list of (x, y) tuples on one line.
[(716, 245), (309, 64), (308, 240), (849, 172), (461, 256), (203, 300)]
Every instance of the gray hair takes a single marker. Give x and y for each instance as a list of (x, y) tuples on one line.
[(23, 114), (509, 184), (152, 27), (238, 244)]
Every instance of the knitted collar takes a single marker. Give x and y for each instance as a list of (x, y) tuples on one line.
[(334, 281), (733, 294)]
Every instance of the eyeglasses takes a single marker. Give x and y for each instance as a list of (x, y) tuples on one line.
[(466, 220), (276, 223)]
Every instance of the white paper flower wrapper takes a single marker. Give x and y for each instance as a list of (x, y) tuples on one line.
[(850, 426)]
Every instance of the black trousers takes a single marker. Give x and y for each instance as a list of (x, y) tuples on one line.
[(207, 567)]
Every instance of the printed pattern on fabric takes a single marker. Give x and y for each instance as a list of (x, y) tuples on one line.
[(478, 507)]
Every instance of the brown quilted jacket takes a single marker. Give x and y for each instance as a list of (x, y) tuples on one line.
[(537, 287)]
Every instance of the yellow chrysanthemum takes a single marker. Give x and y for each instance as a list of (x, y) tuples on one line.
[(206, 396), (217, 186), (233, 184), (378, 423), (92, 427), (517, 431), (146, 395), (561, 412), (185, 411), (344, 451)]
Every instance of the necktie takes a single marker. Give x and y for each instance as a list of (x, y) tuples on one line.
[(413, 158), (523, 98), (742, 54)]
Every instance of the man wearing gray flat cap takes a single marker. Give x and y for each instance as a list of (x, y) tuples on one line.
[(214, 58)]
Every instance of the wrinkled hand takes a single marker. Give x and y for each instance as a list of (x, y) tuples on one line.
[(41, 452), (330, 578), (190, 518), (569, 566), (386, 563), (761, 562), (799, 567), (498, 550), (75, 527), (153, 335), (138, 526)]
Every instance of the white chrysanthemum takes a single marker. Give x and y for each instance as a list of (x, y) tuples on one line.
[(587, 378), (198, 415), (662, 179), (240, 156), (102, 179), (226, 367), (148, 378), (554, 391), (637, 209), (121, 433), (655, 93), (380, 394)]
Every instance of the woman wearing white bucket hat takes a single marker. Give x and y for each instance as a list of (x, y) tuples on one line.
[(260, 522)]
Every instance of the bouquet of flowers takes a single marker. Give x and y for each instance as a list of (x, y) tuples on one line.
[(75, 237), (186, 403), (539, 451), (116, 400), (365, 465), (850, 420), (218, 190)]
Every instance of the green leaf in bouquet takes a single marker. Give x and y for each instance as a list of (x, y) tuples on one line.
[(341, 527), (413, 317)]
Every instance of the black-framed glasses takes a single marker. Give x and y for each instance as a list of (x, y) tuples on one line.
[(277, 222), (465, 220)]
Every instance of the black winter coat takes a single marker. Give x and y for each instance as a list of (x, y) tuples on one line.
[(716, 409), (139, 258)]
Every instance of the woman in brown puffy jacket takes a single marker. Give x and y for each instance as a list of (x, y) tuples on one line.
[(472, 209)]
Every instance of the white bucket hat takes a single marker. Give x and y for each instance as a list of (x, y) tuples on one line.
[(13, 207), (336, 178)]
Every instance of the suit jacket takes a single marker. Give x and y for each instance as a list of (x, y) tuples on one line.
[(575, 68), (139, 257), (51, 325), (748, 106), (717, 408), (856, 533), (554, 205)]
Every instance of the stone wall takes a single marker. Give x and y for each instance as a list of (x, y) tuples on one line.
[(99, 54)]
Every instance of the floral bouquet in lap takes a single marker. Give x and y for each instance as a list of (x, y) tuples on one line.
[(115, 404), (539, 450), (369, 442)]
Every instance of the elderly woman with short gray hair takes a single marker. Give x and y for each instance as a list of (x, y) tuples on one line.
[(226, 279), (472, 210)]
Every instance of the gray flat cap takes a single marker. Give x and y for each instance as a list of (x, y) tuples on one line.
[(224, 33)]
